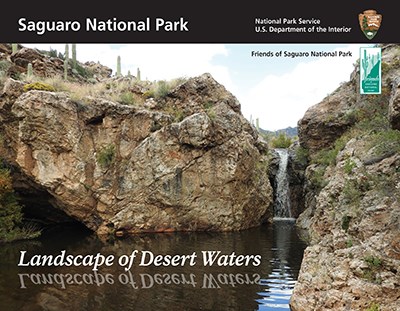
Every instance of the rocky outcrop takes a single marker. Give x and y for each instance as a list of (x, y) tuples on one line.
[(354, 259), (296, 182), (115, 167), (43, 65), (46, 66), (394, 106), (323, 123), (352, 195), (98, 70)]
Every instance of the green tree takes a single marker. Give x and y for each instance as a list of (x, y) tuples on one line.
[(281, 141)]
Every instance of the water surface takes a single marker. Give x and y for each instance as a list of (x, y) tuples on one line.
[(198, 287)]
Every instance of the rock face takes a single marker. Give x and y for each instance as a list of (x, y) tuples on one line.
[(296, 183), (323, 123), (117, 167), (354, 232), (394, 106), (46, 66), (352, 195), (99, 71)]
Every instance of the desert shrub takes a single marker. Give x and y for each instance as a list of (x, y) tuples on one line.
[(40, 86), (346, 222), (208, 105), (385, 67), (178, 115), (327, 157), (82, 71), (11, 227), (317, 179), (374, 307), (302, 155), (352, 193), (3, 79), (162, 89), (106, 156), (349, 165), (372, 261), (371, 273), (4, 65), (385, 142), (281, 141), (127, 98)]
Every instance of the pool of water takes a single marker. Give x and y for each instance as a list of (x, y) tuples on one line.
[(266, 286)]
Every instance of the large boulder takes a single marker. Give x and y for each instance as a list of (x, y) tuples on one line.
[(117, 167), (323, 123)]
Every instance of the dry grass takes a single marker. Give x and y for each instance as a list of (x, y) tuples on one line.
[(116, 91), (124, 90)]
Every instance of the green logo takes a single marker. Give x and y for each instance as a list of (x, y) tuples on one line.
[(370, 70)]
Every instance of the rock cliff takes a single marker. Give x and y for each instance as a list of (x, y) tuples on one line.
[(352, 198), (184, 161)]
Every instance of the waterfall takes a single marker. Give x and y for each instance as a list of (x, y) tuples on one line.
[(282, 200)]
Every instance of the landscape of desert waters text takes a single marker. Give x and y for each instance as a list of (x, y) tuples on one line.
[(147, 258)]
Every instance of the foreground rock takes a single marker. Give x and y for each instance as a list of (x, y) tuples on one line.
[(354, 259), (352, 195), (120, 168)]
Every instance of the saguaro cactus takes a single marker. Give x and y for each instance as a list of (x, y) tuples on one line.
[(118, 66), (73, 55), (138, 74), (29, 72), (66, 60), (14, 48)]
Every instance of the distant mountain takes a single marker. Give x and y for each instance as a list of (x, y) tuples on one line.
[(289, 131)]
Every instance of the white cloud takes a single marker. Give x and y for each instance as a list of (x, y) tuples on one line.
[(280, 101)]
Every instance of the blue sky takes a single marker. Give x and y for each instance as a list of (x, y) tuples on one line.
[(276, 90)]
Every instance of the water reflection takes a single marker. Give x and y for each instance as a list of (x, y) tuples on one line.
[(196, 287), (285, 265)]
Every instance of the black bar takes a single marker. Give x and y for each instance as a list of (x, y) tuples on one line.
[(207, 21)]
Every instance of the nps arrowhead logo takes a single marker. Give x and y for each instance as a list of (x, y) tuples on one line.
[(370, 23)]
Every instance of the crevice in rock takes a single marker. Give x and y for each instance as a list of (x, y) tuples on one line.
[(97, 120), (36, 202)]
